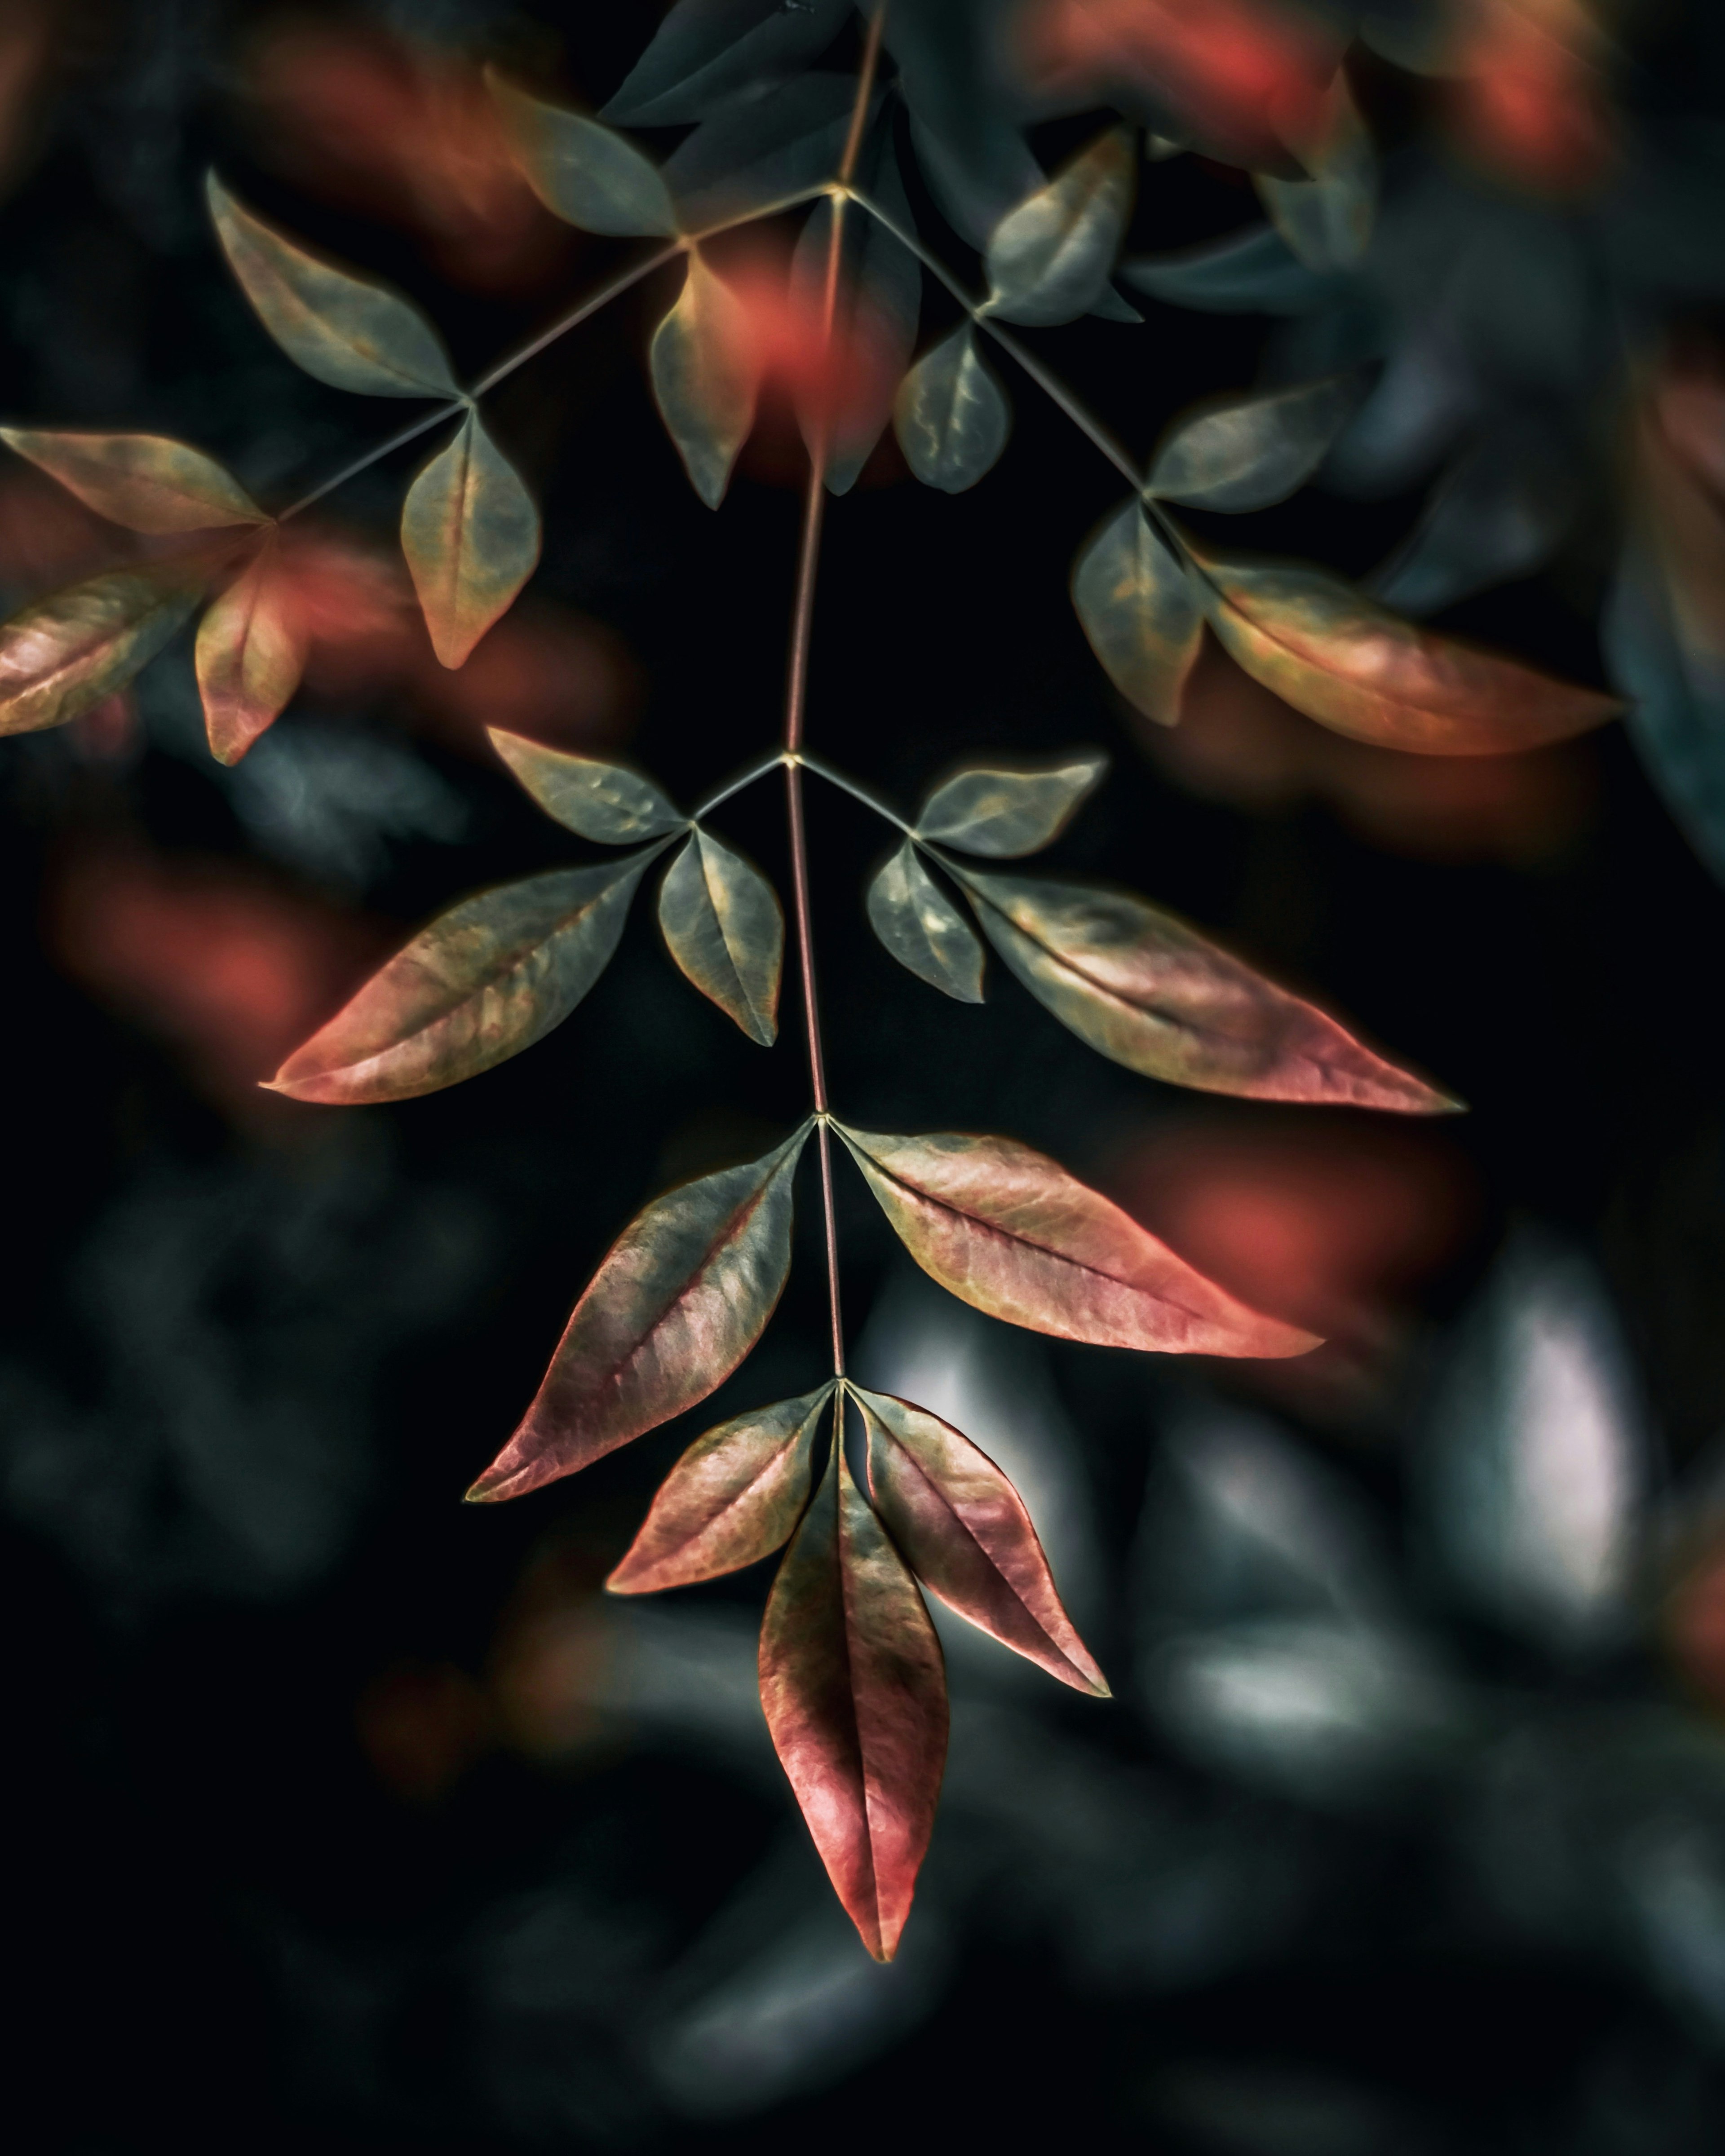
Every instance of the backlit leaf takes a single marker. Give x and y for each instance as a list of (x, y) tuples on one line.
[(144, 481), (470, 532), (484, 981), (1255, 272), (61, 655), (1354, 667), (1002, 812), (853, 1685), (587, 174), (760, 153), (678, 1301), (1149, 992), (1047, 260), (347, 330), (706, 377), (963, 1530), (922, 928), (1139, 611), (722, 925), (1327, 220), (251, 654), (1247, 452), (606, 802), (706, 49), (951, 415), (733, 1497), (1008, 1231)]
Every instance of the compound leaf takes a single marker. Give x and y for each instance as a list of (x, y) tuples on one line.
[(605, 802), (251, 654), (61, 655), (922, 928), (470, 532), (705, 50), (1137, 610), (733, 1497), (1008, 1231), (585, 173), (706, 378), (722, 925), (950, 414), (678, 1301), (484, 981), (964, 1531), (347, 330), (1247, 452), (143, 481), (853, 1685), (1002, 812), (1047, 260)]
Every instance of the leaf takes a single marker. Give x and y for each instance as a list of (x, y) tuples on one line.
[(1676, 686), (922, 928), (1359, 670), (963, 1530), (722, 925), (1148, 991), (471, 533), (347, 330), (950, 414), (251, 654), (1047, 260), (484, 981), (1327, 220), (1253, 272), (606, 802), (678, 1301), (1499, 512), (706, 377), (143, 481), (61, 655), (1008, 1231), (1139, 612), (706, 49), (732, 1498), (854, 1686), (758, 154), (1247, 452), (585, 173), (1001, 811)]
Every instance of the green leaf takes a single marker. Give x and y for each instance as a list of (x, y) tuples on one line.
[(583, 172), (251, 654), (143, 481), (484, 981), (722, 925), (1047, 260), (61, 655), (470, 532), (1009, 1232), (1148, 991), (1247, 452), (1139, 611), (346, 330), (950, 414), (1359, 670), (678, 1301), (702, 53), (922, 928), (964, 1531), (1253, 273), (1327, 220), (732, 1499), (1003, 810), (759, 154), (606, 802), (706, 378)]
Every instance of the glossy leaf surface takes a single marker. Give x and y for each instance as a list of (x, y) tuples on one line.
[(733, 1497), (678, 1301), (606, 802), (706, 50), (347, 330), (706, 378), (951, 415), (62, 654), (1008, 1231), (965, 1533), (922, 928), (761, 153), (1137, 609), (722, 925), (1255, 273), (470, 530), (585, 173), (1048, 261), (1248, 452), (143, 481), (251, 654), (1148, 991), (484, 981), (1002, 812), (853, 1685)]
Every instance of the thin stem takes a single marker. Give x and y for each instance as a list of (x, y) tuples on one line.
[(858, 791), (735, 785), (618, 286), (403, 435)]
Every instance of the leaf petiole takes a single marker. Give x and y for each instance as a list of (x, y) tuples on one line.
[(858, 793), (734, 786)]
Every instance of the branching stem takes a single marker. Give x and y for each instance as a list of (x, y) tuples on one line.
[(858, 791)]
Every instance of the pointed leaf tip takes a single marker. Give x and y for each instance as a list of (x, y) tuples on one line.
[(1002, 810), (470, 530), (723, 924), (145, 482)]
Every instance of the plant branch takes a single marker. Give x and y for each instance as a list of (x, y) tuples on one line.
[(410, 432), (857, 791), (732, 786)]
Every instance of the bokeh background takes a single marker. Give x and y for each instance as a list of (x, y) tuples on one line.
[(347, 1817)]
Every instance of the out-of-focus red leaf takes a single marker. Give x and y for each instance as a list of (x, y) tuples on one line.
[(422, 1725), (1530, 101)]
